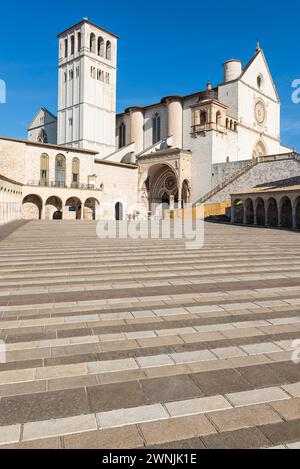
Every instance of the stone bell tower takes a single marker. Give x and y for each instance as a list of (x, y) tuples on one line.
[(87, 88)]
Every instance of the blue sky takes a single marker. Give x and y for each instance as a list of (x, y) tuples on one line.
[(165, 47)]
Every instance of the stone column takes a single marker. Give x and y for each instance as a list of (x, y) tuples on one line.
[(43, 212), (232, 220), (1, 206), (279, 216), (175, 114), (294, 214), (254, 214), (5, 207), (137, 128), (266, 215), (244, 215), (82, 211), (180, 205)]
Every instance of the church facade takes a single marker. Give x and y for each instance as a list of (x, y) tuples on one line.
[(89, 157)]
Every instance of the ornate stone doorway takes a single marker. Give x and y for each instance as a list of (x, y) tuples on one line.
[(164, 180), (162, 189)]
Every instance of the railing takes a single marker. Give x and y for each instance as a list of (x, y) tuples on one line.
[(62, 185)]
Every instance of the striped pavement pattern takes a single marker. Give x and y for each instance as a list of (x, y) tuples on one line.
[(130, 343)]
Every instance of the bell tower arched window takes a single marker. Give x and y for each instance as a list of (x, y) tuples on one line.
[(100, 46), (92, 42), (108, 50)]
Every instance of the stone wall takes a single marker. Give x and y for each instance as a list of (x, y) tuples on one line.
[(10, 200), (220, 171), (262, 173)]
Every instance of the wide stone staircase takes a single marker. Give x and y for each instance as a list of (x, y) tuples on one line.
[(142, 343)]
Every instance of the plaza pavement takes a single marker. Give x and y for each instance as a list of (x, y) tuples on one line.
[(142, 343)]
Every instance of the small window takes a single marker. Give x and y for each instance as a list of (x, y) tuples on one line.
[(72, 45), (44, 171), (66, 48), (78, 42), (77, 72), (203, 118), (122, 135), (218, 118), (260, 82), (156, 128), (75, 172), (65, 76), (70, 121), (71, 74)]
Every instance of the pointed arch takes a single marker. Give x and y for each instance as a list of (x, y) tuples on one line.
[(92, 42), (100, 46), (260, 149), (108, 50)]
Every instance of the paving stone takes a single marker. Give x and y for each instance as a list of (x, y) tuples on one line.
[(283, 432), (22, 388), (43, 406), (197, 406), (16, 376), (78, 369), (256, 396), (261, 376), (115, 396), (292, 389), (193, 443), (45, 443), (71, 382), (189, 357), (290, 409), (176, 429), (10, 434), (220, 382), (293, 445), (156, 360), (160, 341), (58, 427), (112, 365), (244, 417), (169, 389), (116, 438), (229, 352), (288, 370), (121, 417), (240, 439), (253, 349)]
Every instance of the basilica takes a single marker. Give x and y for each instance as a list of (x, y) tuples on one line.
[(88, 162)]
